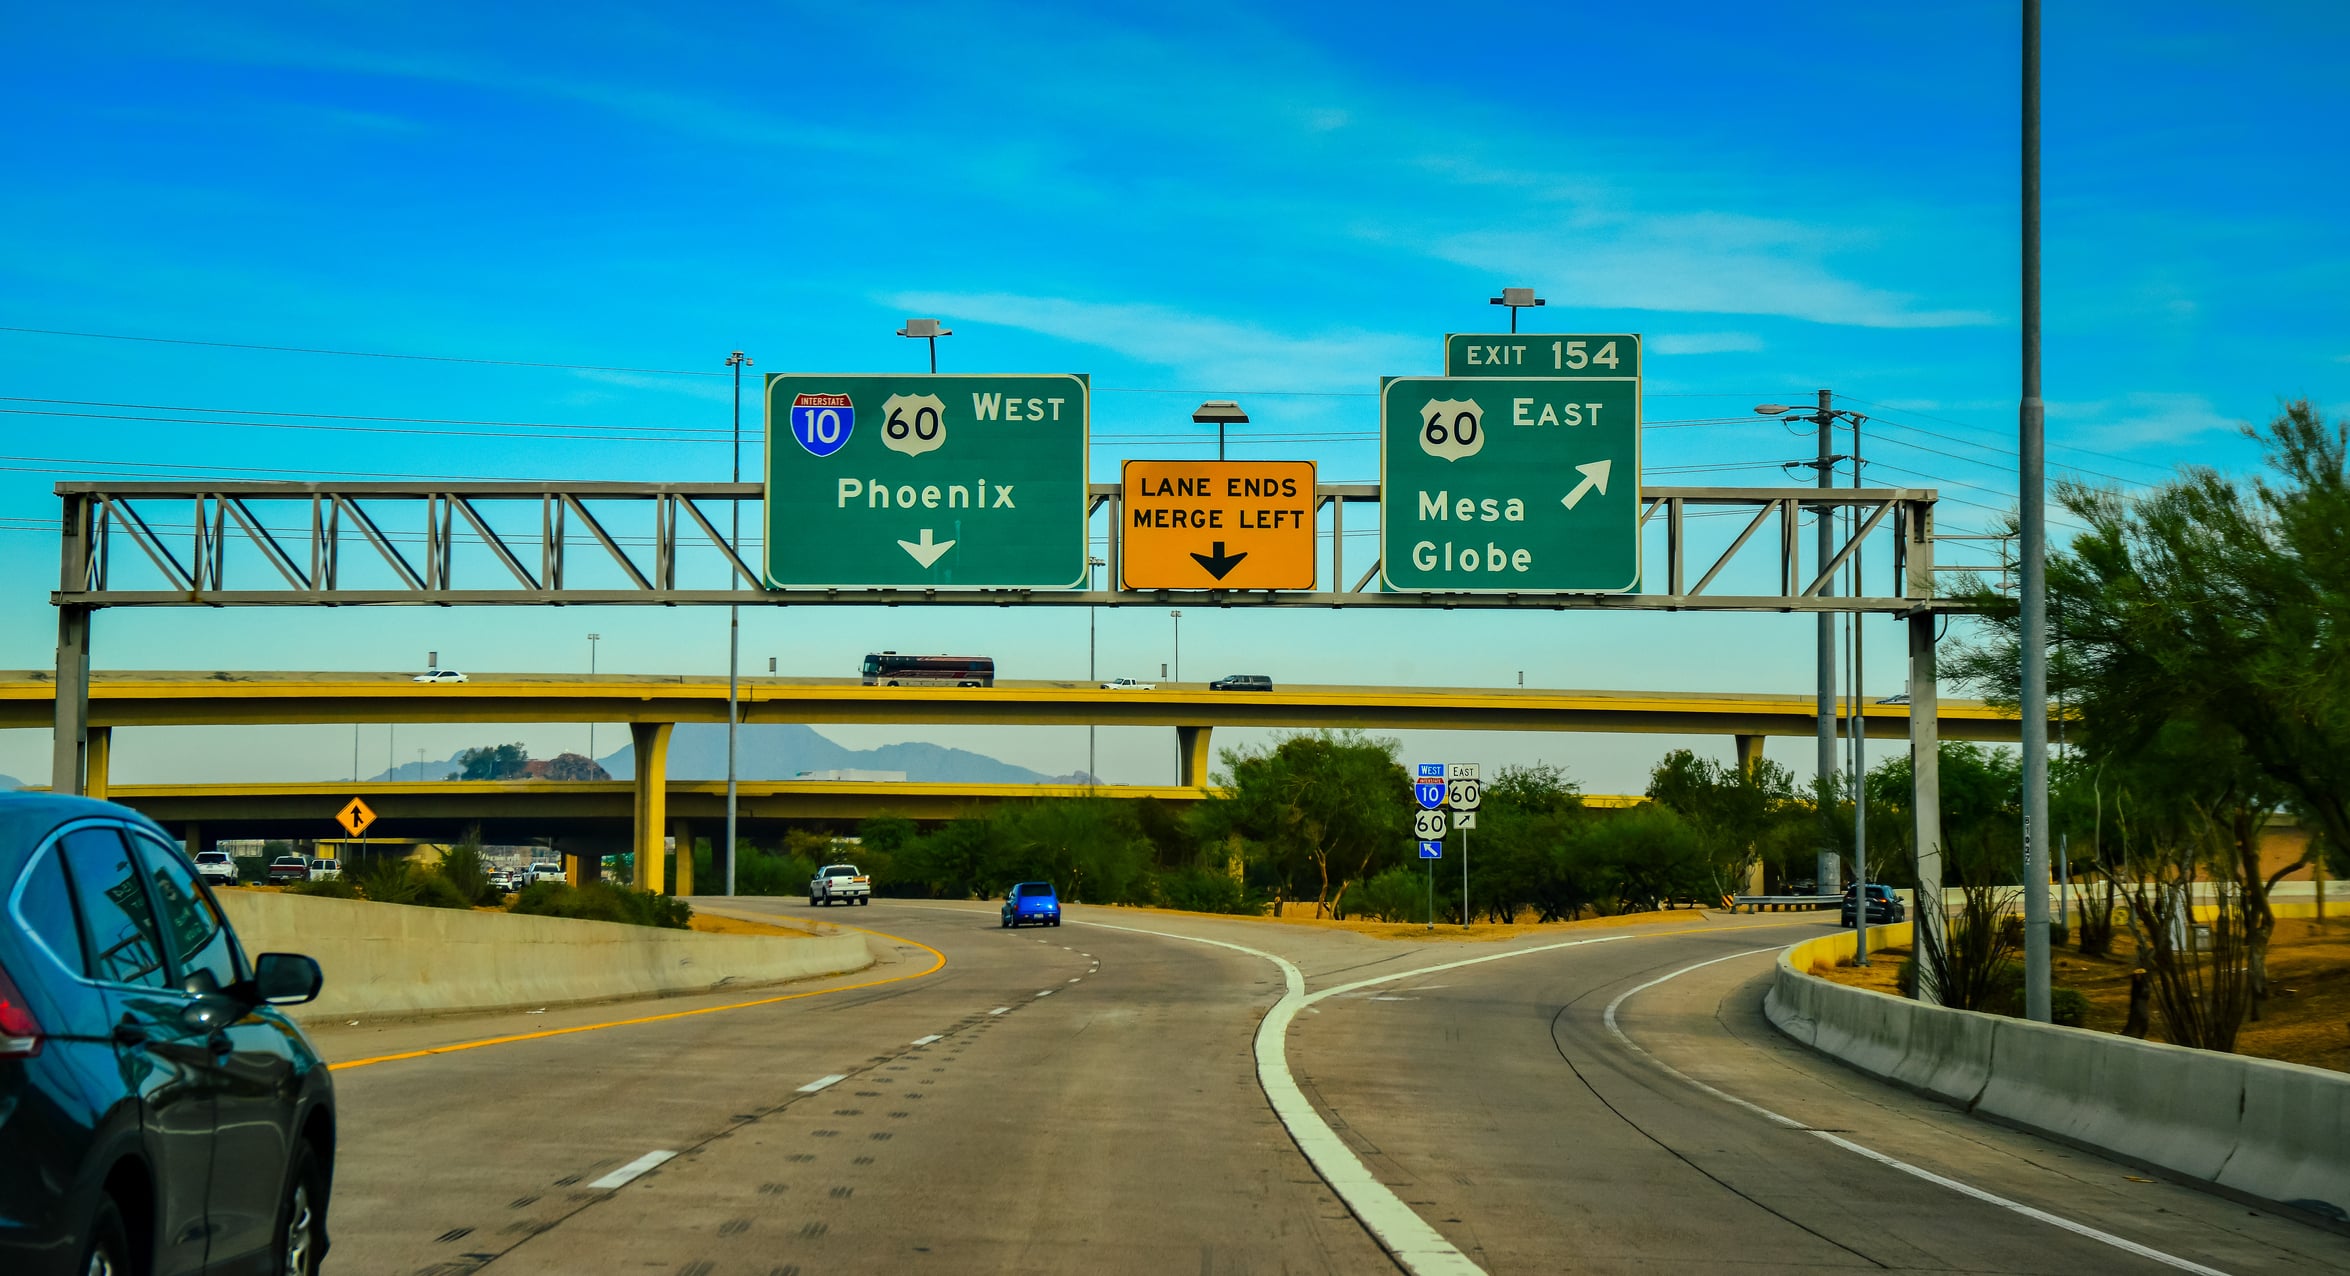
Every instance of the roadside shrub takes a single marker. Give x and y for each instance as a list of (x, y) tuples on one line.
[(467, 872), (1396, 895), (336, 888), (1202, 890), (386, 880), (252, 870), (604, 902), (2069, 1007)]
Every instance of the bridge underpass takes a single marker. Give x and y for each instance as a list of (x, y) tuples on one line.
[(591, 819)]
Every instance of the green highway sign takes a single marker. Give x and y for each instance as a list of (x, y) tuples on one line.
[(1553, 354), (926, 482), (1528, 485)]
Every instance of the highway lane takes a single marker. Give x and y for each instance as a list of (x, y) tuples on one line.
[(1118, 1123), (1113, 1123), (1498, 1102)]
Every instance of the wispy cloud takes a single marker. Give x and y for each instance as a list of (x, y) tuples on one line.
[(1214, 351), (2141, 419), (1703, 343), (713, 390)]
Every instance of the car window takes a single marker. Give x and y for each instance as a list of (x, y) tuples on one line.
[(192, 926), (125, 946), (47, 909)]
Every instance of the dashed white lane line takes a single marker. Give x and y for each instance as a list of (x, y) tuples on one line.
[(999, 1010), (1075, 978), (1046, 993), (924, 1041), (821, 1082), (2078, 1229), (630, 1172)]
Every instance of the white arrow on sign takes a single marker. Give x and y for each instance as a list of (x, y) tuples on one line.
[(1594, 476), (927, 551), (1464, 819)]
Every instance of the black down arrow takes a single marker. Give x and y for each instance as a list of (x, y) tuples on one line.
[(1219, 564)]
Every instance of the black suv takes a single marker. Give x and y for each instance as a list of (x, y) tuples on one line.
[(1242, 682), (158, 1114), (1884, 906)]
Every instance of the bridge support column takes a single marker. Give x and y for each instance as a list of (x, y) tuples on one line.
[(1192, 756), (1749, 749), (73, 693), (652, 801), (97, 759), (684, 833), (1925, 764)]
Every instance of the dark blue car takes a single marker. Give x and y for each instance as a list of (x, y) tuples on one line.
[(1032, 904), (158, 1114)]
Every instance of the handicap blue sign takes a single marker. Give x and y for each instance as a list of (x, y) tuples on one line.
[(1431, 850), (1430, 796), (822, 422), (1431, 771)]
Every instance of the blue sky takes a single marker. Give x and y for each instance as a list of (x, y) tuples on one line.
[(1276, 204)]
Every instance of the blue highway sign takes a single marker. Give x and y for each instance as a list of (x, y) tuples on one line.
[(1429, 795), (1431, 850)]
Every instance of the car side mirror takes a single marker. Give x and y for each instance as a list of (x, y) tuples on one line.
[(286, 979)]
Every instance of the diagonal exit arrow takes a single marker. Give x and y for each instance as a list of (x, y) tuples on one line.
[(1594, 476), (927, 551), (1219, 564)]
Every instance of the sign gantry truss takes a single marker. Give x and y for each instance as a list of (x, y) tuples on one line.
[(247, 544)]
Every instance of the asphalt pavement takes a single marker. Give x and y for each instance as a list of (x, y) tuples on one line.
[(1093, 1098)]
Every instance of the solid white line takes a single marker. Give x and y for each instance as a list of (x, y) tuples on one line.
[(924, 1041), (821, 1082), (1416, 1246), (2078, 1229), (630, 1172)]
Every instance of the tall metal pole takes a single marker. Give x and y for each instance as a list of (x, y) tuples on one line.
[(2031, 481), (1092, 776), (592, 640), (1859, 726), (734, 629), (1824, 863)]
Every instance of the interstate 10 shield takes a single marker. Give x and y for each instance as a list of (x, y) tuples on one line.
[(822, 422)]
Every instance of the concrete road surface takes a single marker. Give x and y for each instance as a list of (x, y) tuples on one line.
[(1089, 1099)]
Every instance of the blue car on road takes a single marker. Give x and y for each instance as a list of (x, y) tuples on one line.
[(1032, 903)]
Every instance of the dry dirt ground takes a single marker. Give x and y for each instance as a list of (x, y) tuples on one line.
[(2305, 1020)]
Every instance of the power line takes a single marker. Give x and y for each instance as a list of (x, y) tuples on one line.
[(361, 354), (2064, 447)]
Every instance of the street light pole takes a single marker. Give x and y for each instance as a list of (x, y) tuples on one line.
[(926, 330), (1857, 723), (734, 628), (1517, 299), (592, 673), (1092, 776), (2032, 520), (1177, 617), (1220, 412), (1826, 860)]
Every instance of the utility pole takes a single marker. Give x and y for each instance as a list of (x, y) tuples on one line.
[(1857, 724), (1825, 468), (734, 625), (2032, 509)]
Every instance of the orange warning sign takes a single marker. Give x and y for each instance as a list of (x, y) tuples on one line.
[(1217, 525)]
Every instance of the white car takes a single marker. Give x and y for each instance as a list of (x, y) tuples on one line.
[(324, 870), (1129, 684), (839, 884), (439, 675), (216, 867), (540, 872)]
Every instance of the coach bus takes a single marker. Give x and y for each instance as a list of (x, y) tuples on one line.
[(889, 669)]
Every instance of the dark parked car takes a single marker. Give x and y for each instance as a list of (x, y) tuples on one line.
[(1243, 682), (158, 1114), (1884, 906), (1032, 904)]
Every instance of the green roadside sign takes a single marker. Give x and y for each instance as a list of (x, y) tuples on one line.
[(925, 481), (1542, 354), (1527, 485)]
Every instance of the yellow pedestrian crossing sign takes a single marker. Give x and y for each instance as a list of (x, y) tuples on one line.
[(355, 817)]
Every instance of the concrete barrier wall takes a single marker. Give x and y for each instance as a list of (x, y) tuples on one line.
[(2277, 1131), (395, 959)]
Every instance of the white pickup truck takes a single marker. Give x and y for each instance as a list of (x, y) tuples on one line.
[(839, 884)]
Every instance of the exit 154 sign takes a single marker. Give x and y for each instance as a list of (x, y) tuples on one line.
[(926, 481), (1509, 485)]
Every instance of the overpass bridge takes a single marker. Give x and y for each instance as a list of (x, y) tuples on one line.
[(652, 706)]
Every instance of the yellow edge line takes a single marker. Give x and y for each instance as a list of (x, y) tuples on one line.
[(934, 968)]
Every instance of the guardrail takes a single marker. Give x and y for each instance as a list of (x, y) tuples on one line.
[(2252, 1128), (1783, 903)]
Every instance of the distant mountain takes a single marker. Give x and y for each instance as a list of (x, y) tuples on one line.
[(10, 782), (781, 750)]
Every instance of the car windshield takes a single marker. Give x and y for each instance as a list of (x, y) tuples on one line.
[(1033, 892), (840, 871), (212, 857)]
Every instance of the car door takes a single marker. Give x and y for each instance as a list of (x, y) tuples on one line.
[(251, 1061), (165, 1058)]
